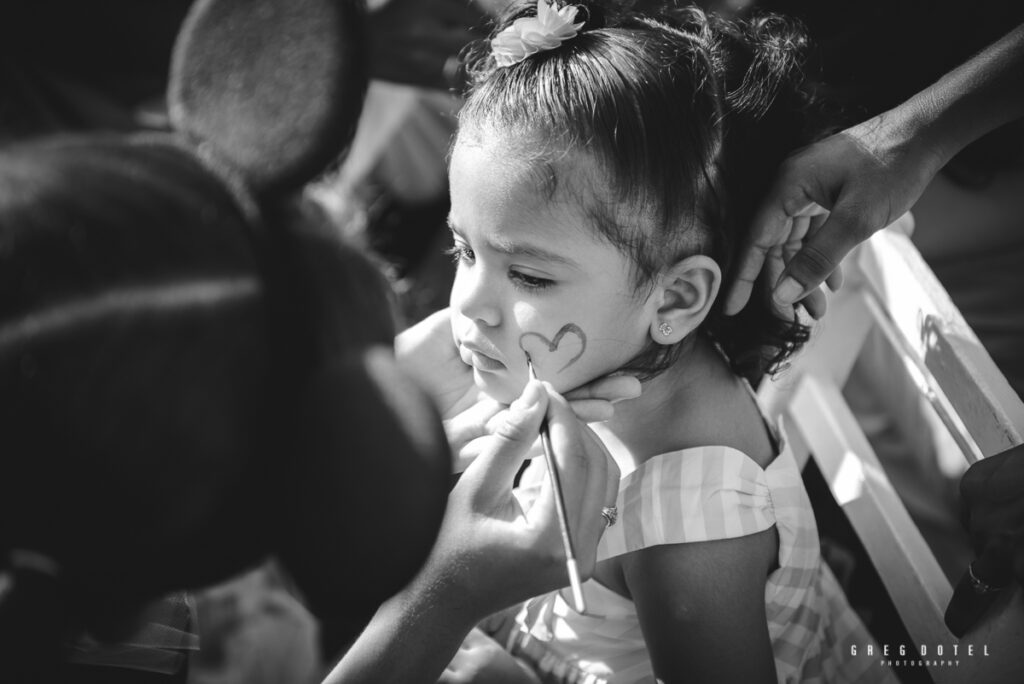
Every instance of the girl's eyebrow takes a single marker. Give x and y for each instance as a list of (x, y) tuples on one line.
[(510, 248)]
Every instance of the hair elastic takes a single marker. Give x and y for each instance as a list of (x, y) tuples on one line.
[(529, 35)]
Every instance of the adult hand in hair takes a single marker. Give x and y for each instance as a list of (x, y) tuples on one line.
[(427, 353), (870, 174), (418, 41), (489, 555), (992, 497)]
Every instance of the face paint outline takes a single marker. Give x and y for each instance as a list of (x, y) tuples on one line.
[(552, 344)]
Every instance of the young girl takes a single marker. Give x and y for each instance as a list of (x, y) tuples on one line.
[(605, 169)]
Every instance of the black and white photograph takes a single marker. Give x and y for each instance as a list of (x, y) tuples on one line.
[(511, 342)]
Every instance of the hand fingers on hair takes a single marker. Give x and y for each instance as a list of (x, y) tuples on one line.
[(801, 225), (815, 303), (835, 279), (751, 260), (771, 226), (818, 257), (818, 218), (774, 266)]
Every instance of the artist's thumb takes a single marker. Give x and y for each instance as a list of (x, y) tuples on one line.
[(511, 441)]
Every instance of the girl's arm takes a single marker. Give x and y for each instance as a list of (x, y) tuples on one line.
[(701, 608)]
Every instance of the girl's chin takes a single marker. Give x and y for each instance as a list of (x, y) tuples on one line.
[(502, 390)]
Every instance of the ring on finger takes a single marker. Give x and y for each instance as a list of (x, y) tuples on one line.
[(610, 515), (979, 586)]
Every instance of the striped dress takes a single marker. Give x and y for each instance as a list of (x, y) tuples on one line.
[(694, 495)]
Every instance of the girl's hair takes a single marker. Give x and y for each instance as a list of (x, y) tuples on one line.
[(688, 115)]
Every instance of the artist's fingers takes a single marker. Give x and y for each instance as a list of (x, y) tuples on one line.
[(464, 457), (467, 431), (473, 422), (583, 467), (594, 402), (593, 410), (509, 446), (608, 388), (611, 488)]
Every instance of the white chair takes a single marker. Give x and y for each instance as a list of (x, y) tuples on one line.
[(890, 290)]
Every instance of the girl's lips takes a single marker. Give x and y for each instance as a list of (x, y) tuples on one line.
[(479, 360)]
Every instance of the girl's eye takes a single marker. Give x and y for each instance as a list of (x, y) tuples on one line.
[(460, 253), (529, 282)]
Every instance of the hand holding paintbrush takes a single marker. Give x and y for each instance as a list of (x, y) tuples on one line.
[(556, 488)]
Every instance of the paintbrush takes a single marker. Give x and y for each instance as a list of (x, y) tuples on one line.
[(563, 521)]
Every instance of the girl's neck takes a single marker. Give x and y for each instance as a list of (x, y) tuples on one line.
[(698, 401)]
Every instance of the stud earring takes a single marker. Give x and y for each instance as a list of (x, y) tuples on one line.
[(665, 329)]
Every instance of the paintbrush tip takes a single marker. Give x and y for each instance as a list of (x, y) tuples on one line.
[(529, 366)]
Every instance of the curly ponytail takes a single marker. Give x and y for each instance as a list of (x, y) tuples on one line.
[(767, 114)]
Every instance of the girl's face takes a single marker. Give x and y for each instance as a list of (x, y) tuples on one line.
[(535, 276)]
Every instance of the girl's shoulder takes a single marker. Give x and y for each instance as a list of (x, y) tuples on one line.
[(697, 494)]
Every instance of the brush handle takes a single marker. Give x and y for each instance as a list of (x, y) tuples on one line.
[(563, 520)]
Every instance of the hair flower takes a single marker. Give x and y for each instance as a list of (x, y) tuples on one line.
[(529, 35)]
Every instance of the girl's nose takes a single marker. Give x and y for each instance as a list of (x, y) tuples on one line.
[(472, 297)]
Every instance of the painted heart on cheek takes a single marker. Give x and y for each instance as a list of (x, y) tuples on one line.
[(564, 350)]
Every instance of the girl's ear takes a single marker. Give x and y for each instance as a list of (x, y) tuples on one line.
[(686, 291)]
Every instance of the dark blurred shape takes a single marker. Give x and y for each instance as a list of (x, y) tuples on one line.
[(196, 374)]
